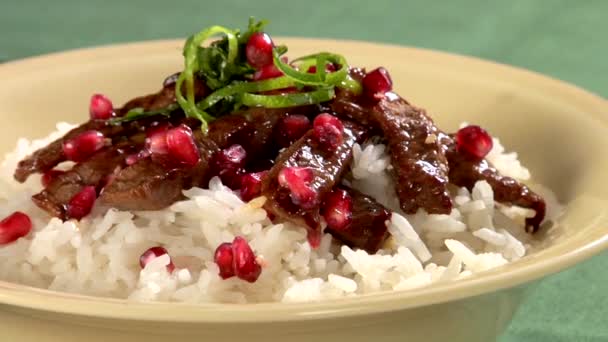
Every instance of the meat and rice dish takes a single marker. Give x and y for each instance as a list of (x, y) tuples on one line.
[(252, 176)]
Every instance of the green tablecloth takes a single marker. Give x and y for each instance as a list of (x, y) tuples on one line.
[(565, 39)]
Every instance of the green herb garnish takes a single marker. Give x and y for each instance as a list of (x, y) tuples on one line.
[(139, 113), (288, 100), (223, 67)]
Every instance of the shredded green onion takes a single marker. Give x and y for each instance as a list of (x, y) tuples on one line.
[(246, 87), (288, 100), (225, 62), (320, 77), (138, 113), (191, 66), (351, 85)]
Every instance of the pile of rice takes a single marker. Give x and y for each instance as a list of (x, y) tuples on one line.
[(100, 255)]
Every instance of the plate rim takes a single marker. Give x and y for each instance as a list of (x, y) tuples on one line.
[(58, 302)]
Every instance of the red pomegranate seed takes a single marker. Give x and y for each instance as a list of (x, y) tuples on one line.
[(100, 107), (135, 157), (232, 157), (156, 140), (297, 180), (81, 204), (338, 209), (291, 128), (328, 68), (49, 176), (314, 237), (377, 82), (245, 264), (266, 72), (83, 145), (132, 159), (251, 185), (181, 146), (328, 131), (474, 141), (271, 216), (14, 226), (228, 164), (295, 174), (108, 179), (259, 50), (223, 259), (153, 253)]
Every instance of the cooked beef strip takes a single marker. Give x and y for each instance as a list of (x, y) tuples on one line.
[(417, 155), (261, 144), (460, 170), (94, 171), (348, 105), (328, 167), (367, 229), (352, 107), (466, 172), (49, 156), (162, 98), (150, 184)]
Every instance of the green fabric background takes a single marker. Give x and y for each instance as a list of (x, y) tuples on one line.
[(564, 39)]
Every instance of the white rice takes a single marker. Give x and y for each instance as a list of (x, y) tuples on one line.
[(100, 254)]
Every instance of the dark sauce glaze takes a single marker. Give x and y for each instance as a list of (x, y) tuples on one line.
[(51, 155), (367, 229), (466, 172), (328, 167), (95, 171), (424, 161), (152, 184), (420, 165)]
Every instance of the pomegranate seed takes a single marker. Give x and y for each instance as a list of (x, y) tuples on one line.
[(266, 72), (271, 216), (14, 226), (132, 159), (328, 130), (377, 82), (292, 128), (49, 176), (259, 50), (83, 145), (295, 174), (181, 146), (228, 164), (338, 209), (245, 264), (297, 180), (474, 141), (108, 179), (328, 68), (230, 158), (314, 238), (363, 227), (153, 253), (100, 107), (81, 204), (156, 140), (135, 157), (251, 185), (171, 79), (223, 259)]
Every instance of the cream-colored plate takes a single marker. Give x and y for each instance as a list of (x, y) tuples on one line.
[(560, 131)]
